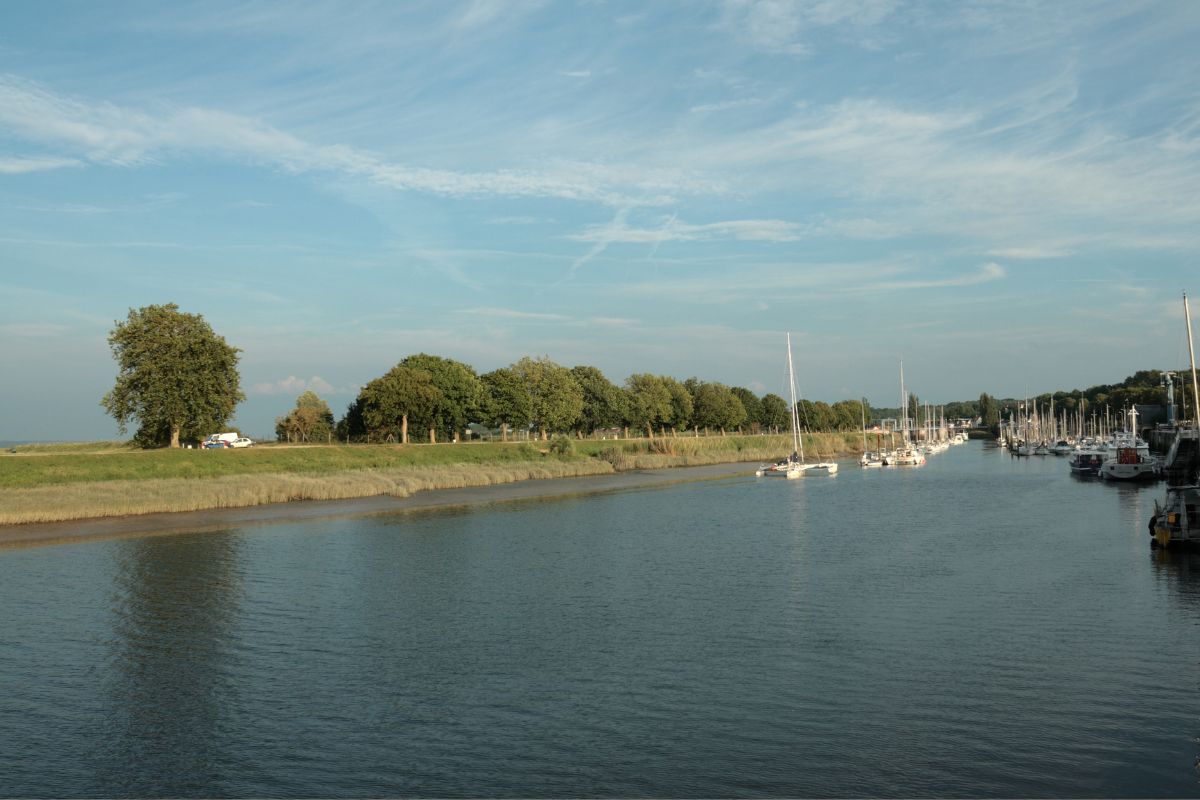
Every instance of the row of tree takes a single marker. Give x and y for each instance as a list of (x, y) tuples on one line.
[(179, 380), (439, 396), (435, 398)]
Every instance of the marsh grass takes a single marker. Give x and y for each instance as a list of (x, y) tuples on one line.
[(56, 503), (69, 482)]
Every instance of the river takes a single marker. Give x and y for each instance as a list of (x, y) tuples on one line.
[(981, 626)]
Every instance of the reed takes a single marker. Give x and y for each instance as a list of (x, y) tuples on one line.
[(70, 482), (58, 503)]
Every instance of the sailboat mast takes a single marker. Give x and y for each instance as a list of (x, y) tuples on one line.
[(797, 442), (863, 403), (1192, 358)]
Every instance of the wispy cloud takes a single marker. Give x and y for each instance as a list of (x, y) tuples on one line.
[(18, 165), (782, 25), (728, 105), (1030, 253), (106, 133), (986, 273), (512, 314), (672, 230)]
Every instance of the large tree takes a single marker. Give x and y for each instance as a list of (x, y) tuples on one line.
[(775, 415), (847, 415), (175, 376), (716, 406), (506, 402), (604, 404), (989, 411), (556, 396), (311, 420), (753, 406), (460, 388), (402, 396), (681, 403), (649, 401)]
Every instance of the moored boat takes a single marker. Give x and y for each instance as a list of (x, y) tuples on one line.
[(794, 466), (1086, 460)]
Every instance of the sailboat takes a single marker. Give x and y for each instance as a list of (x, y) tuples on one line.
[(908, 455), (794, 466), (869, 458)]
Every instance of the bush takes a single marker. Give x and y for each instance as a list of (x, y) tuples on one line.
[(562, 446)]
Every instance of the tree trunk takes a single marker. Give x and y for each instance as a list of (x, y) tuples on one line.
[(404, 429), (174, 435), (504, 431), (433, 435)]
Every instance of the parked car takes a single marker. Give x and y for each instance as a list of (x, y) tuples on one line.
[(242, 442), (214, 444), (223, 439)]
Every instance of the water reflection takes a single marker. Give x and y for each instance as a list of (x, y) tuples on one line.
[(1181, 571), (170, 686)]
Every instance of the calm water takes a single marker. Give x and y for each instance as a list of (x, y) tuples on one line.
[(977, 627)]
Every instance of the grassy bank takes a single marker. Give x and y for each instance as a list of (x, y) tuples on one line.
[(48, 483)]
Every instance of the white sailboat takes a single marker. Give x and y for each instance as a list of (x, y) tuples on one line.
[(794, 466), (870, 458), (908, 455)]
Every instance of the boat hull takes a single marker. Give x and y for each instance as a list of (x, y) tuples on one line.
[(1128, 472)]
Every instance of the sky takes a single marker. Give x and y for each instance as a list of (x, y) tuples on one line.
[(1004, 196)]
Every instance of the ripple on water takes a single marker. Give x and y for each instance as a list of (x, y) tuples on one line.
[(978, 627)]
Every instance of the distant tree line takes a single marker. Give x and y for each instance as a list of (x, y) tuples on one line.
[(434, 399), (179, 380), (431, 398)]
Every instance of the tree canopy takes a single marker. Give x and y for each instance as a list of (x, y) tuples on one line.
[(604, 404), (311, 420), (649, 401), (506, 402), (402, 396), (461, 393), (555, 395), (716, 406), (775, 414), (175, 376)]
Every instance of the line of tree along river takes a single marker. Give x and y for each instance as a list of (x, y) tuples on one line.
[(435, 398), (179, 380)]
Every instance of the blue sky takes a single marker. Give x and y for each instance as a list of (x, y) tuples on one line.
[(1005, 195)]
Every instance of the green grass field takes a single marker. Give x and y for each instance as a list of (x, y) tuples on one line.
[(43, 483)]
